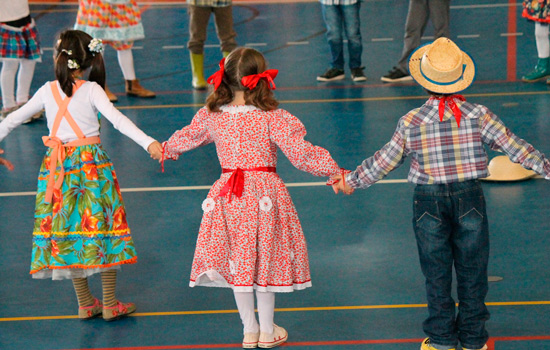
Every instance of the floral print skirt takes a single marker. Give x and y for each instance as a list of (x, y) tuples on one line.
[(537, 10), (83, 230), (116, 23)]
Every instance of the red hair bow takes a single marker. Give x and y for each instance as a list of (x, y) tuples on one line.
[(217, 77), (250, 81)]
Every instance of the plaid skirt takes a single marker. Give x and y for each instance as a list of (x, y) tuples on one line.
[(19, 43), (537, 10), (110, 21), (84, 227)]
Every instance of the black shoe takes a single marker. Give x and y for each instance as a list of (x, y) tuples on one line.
[(332, 74), (396, 75), (357, 74)]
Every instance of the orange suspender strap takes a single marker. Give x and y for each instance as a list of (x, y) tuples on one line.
[(58, 148)]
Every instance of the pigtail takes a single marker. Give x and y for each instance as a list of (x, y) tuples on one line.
[(219, 97), (63, 73), (97, 72), (261, 96)]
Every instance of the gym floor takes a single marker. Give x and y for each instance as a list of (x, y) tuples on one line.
[(368, 290)]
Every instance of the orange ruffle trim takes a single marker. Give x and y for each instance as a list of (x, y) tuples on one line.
[(129, 261)]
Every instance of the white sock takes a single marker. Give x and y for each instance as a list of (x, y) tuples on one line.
[(266, 310), (7, 83), (24, 79), (543, 41), (245, 304), (126, 62)]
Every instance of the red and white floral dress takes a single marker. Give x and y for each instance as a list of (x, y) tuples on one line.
[(254, 241)]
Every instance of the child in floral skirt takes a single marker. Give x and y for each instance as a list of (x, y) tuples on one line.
[(250, 237), (80, 226)]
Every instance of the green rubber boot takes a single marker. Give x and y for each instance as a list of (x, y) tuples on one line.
[(197, 69), (542, 71)]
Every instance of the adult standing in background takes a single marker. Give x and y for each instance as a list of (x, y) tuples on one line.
[(117, 23), (420, 11), (199, 15), (342, 16)]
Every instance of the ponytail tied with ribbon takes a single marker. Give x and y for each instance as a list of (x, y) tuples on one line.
[(250, 81), (217, 78)]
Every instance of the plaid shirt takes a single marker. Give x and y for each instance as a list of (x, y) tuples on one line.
[(209, 3), (441, 152)]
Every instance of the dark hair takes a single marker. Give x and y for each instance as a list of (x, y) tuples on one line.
[(437, 94), (239, 63), (73, 45)]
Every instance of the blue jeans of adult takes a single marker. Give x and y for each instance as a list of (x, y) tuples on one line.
[(451, 228), (341, 19)]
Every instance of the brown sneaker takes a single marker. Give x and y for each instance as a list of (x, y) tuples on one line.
[(133, 88), (119, 310), (89, 312), (112, 97)]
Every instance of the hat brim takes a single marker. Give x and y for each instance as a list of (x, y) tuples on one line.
[(501, 168), (467, 78)]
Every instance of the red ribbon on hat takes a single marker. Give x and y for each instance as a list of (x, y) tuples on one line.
[(217, 77), (250, 81), (443, 100)]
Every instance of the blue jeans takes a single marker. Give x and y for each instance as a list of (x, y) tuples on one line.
[(450, 224), (340, 19)]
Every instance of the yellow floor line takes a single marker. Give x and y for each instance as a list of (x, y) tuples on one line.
[(299, 309)]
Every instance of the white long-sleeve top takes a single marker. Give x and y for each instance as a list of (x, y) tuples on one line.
[(87, 101), (11, 10)]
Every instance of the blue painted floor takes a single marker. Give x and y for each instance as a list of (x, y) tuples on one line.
[(368, 291)]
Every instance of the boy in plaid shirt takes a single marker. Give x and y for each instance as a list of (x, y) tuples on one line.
[(445, 138)]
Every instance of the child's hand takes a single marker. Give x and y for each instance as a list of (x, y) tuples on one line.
[(155, 150), (5, 162), (338, 185)]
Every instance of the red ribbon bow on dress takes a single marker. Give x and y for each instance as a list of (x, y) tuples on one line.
[(234, 185), (450, 100), (217, 77), (250, 81)]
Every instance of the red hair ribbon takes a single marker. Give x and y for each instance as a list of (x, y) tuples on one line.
[(450, 100), (250, 81), (217, 77)]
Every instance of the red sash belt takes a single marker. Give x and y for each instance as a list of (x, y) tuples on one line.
[(235, 183)]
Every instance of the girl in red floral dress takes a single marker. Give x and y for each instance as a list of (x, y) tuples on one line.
[(250, 237)]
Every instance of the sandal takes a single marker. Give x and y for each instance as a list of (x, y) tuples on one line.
[(119, 310), (89, 312)]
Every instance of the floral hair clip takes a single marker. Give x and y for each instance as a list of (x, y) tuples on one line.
[(217, 77), (250, 81), (68, 52), (72, 64), (95, 46)]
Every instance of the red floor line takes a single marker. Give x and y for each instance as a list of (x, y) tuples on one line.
[(512, 41), (490, 343)]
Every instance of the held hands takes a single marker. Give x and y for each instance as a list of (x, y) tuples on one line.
[(5, 162), (155, 150), (339, 185)]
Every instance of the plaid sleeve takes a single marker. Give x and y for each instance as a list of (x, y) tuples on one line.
[(501, 139), (381, 163)]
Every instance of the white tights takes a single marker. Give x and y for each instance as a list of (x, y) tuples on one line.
[(266, 309), (24, 79), (543, 41), (126, 63)]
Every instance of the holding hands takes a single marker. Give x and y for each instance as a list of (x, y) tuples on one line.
[(5, 162), (155, 150), (339, 184)]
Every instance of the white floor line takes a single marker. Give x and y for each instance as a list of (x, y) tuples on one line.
[(194, 188)]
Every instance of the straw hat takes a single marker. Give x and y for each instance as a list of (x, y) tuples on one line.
[(501, 168), (442, 67)]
